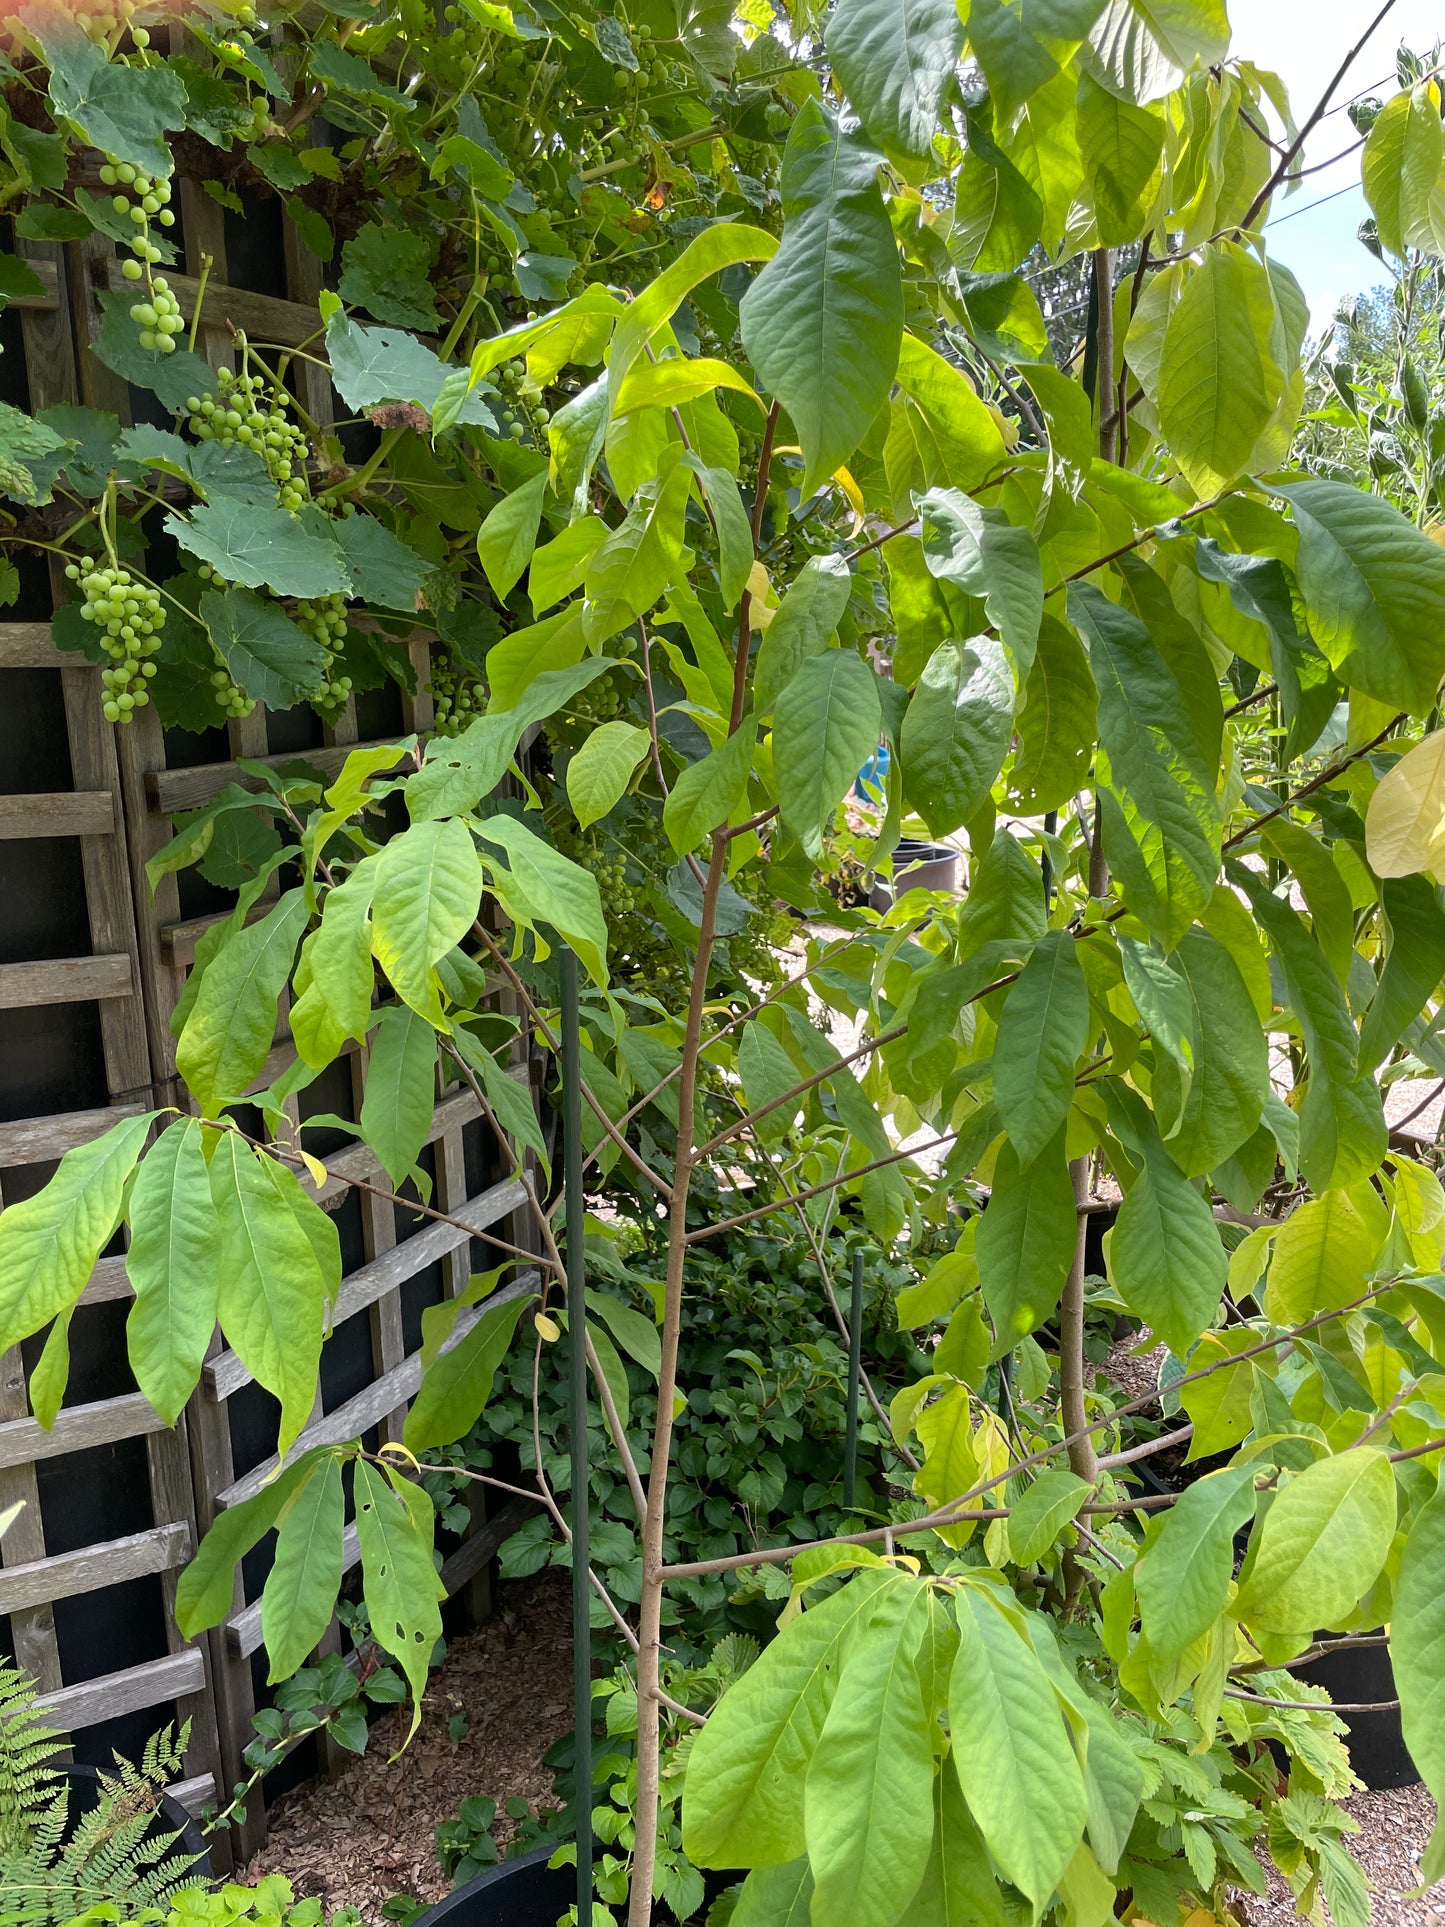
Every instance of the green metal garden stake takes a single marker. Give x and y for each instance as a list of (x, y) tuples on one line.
[(577, 1366), (855, 1373)]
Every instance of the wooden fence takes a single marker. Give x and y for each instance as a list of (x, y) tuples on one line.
[(91, 966)]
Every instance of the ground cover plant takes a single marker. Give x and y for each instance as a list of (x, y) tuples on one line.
[(742, 448)]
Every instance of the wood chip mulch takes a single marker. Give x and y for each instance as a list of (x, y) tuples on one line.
[(1394, 1828), (357, 1840)]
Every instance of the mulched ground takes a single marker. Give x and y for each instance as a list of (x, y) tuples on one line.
[(359, 1839), (1394, 1827)]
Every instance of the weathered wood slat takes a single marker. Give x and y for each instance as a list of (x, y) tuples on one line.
[(130, 1416), (42, 1581), (28, 645), (48, 300), (107, 1282), (133, 1690), (358, 1414), (264, 316), (39, 1140), (57, 813), (225, 1374), (194, 1795), (64, 980), (188, 789)]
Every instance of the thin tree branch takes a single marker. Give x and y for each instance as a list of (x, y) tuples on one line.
[(1286, 159), (707, 1231)]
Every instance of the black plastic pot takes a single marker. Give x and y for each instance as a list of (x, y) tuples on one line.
[(83, 1794), (917, 866), (524, 1892), (1362, 1675)]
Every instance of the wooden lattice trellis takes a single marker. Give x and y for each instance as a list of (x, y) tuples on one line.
[(124, 788)]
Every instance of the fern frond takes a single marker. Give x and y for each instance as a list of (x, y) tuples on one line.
[(112, 1853), (29, 1781)]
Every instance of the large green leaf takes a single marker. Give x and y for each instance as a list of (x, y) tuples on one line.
[(384, 570), (1003, 40), (1417, 1644), (1026, 1241), (776, 1896), (173, 1264), (396, 1112), (957, 731), (1321, 1544), (988, 556), (1207, 1119), (1121, 147), (1161, 817), (721, 246), (1322, 1256), (634, 564), (708, 791), (1043, 1031), (997, 215), (335, 977), (232, 1023), (766, 1072), (427, 891), (743, 1801), (1342, 1123), (508, 536), (1403, 171), (826, 727), (1165, 1258), (280, 1267), (1374, 590), (268, 655), (1182, 1581), (823, 321), (539, 884), (599, 773), (299, 1596), (1011, 1749), (1141, 49), (801, 626), (457, 1384), (867, 1810), (1219, 385), (1056, 722), (893, 59), (263, 548), (959, 1888), (1414, 965), (122, 108), (49, 1243), (207, 1587), (964, 435), (400, 1584)]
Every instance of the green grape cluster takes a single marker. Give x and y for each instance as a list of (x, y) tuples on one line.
[(129, 616), (324, 619), (458, 696), (250, 412), (157, 313), (522, 406)]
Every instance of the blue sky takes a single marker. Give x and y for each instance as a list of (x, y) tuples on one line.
[(1313, 232)]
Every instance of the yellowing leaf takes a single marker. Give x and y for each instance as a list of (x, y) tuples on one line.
[(1405, 823)]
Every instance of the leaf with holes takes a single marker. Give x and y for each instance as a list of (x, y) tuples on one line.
[(399, 1582)]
